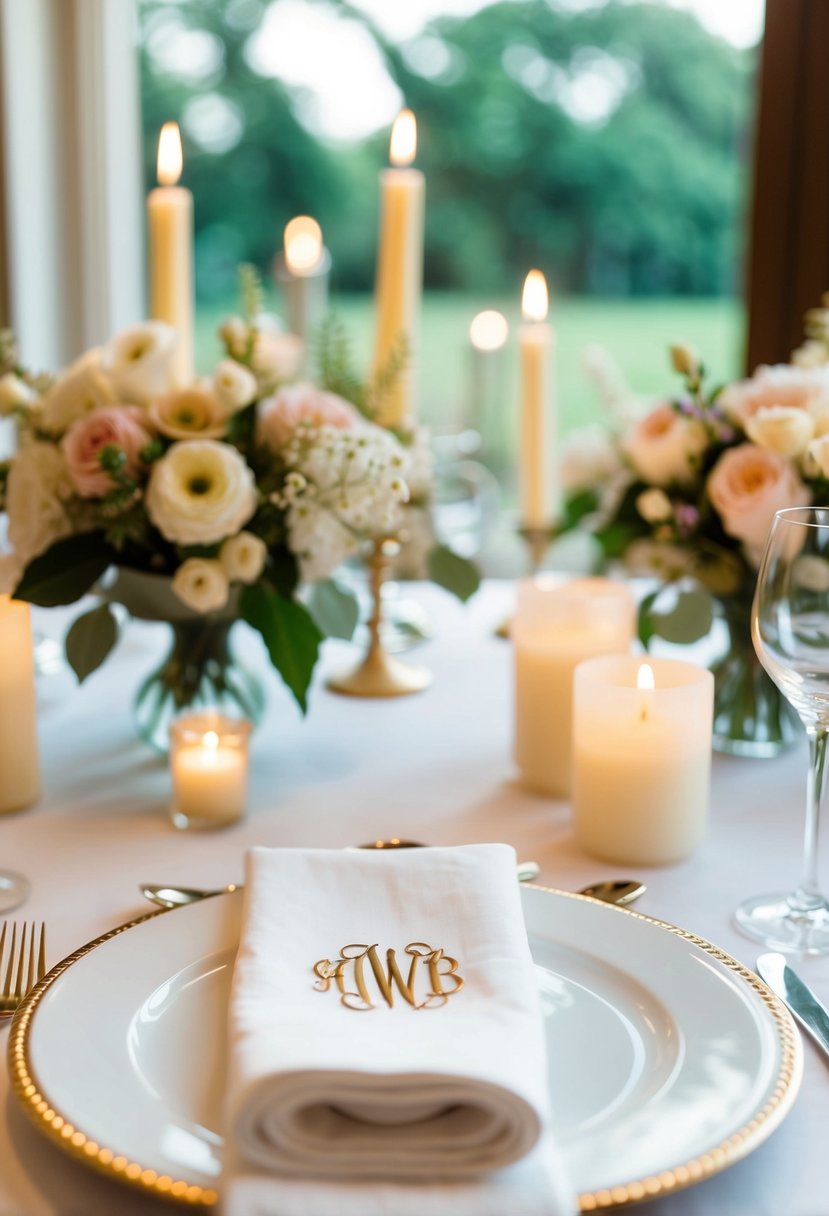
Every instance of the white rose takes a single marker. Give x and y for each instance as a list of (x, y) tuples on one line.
[(141, 361), (201, 584), (243, 557), (15, 394), (819, 456), (82, 388), (589, 457), (37, 489), (200, 492), (234, 386), (794, 387), (665, 446), (654, 506), (782, 429), (747, 485)]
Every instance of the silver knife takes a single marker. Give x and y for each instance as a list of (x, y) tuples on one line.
[(809, 1011)]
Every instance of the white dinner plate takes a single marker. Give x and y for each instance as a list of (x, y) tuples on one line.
[(668, 1060)]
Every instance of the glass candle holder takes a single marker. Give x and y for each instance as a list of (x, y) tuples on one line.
[(557, 625), (641, 758), (209, 770)]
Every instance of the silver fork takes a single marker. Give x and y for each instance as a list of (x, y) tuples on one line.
[(22, 963)]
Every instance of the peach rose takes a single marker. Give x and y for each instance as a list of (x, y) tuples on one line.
[(664, 446), (747, 485), (796, 388), (281, 415), (113, 425)]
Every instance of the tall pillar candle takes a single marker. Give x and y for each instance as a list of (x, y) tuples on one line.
[(170, 231), (400, 270), (302, 272), (19, 771), (536, 341), (641, 758), (556, 626)]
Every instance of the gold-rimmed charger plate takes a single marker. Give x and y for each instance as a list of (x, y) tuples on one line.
[(668, 1059)]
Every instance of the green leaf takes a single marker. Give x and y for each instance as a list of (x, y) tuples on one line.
[(289, 633), (282, 572), (90, 639), (335, 611), (66, 571), (454, 573), (688, 618), (582, 503), (645, 627), (615, 538)]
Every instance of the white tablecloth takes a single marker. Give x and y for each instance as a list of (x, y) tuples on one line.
[(435, 767)]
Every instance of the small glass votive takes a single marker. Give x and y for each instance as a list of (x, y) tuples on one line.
[(209, 770), (556, 625), (641, 758)]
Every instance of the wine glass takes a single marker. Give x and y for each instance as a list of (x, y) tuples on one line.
[(13, 889), (790, 631)]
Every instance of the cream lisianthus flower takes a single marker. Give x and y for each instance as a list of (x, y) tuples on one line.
[(781, 428), (200, 492), (665, 446), (37, 490), (243, 557), (654, 506), (140, 361), (15, 394), (82, 388), (234, 386), (201, 584), (189, 413)]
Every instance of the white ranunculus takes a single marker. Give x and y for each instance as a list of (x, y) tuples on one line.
[(82, 388), (200, 492), (665, 446), (201, 584), (243, 557), (781, 428), (37, 490), (234, 386), (15, 394), (588, 458), (654, 506), (141, 361)]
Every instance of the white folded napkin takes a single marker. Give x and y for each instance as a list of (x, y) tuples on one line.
[(366, 1082)]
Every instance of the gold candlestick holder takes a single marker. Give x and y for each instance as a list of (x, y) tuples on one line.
[(379, 674), (537, 542)]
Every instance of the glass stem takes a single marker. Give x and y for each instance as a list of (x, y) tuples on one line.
[(808, 896)]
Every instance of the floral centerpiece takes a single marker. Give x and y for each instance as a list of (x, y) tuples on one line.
[(199, 505), (685, 494)]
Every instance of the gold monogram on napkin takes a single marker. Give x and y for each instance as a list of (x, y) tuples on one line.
[(349, 968)]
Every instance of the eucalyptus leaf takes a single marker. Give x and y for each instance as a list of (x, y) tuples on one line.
[(90, 639), (334, 609), (66, 571), (289, 633), (687, 619), (453, 572)]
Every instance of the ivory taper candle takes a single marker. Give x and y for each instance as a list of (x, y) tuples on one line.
[(557, 625), (19, 771), (400, 269), (641, 758), (170, 230), (302, 272), (535, 342)]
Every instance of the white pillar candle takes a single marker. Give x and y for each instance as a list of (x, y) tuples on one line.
[(400, 269), (170, 230), (535, 342), (19, 772), (209, 770), (641, 758), (557, 625), (302, 271)]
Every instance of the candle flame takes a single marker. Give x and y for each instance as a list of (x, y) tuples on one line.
[(170, 158), (645, 678), (488, 330), (211, 741), (534, 301), (403, 144), (303, 245)]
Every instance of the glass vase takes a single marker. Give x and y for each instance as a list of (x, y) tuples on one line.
[(199, 672), (751, 716)]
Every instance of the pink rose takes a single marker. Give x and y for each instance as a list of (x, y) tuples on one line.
[(119, 426), (796, 388), (298, 404), (666, 447), (747, 485)]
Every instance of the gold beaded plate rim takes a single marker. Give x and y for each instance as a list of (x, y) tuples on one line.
[(105, 1160)]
